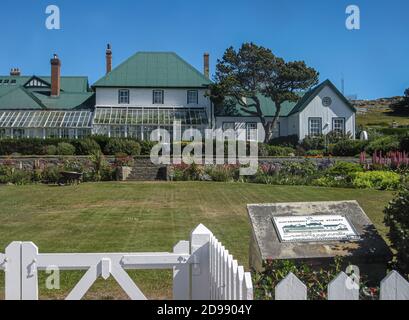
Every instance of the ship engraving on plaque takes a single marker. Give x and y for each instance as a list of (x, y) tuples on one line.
[(314, 228)]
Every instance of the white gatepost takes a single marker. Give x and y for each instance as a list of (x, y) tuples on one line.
[(29, 273), (181, 274), (200, 267), (12, 267)]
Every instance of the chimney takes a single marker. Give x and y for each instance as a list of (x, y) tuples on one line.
[(206, 65), (55, 76), (109, 58), (15, 72)]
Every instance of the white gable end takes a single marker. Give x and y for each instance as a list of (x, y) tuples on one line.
[(328, 109)]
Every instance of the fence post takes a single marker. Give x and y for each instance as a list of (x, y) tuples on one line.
[(29, 274), (12, 271), (181, 274), (200, 269)]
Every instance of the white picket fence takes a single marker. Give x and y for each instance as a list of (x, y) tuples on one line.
[(199, 272), (202, 270), (343, 287)]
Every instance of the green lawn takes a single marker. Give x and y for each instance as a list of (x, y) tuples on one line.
[(138, 217)]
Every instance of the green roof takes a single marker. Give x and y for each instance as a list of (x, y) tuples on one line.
[(16, 95), (268, 107), (154, 69)]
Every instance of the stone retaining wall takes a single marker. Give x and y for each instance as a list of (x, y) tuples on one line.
[(30, 162)]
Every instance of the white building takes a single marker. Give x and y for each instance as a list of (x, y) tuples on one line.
[(319, 111), (148, 91), (152, 90)]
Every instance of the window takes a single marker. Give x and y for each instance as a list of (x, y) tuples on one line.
[(123, 96), (13, 81), (192, 97), (158, 97), (314, 126), (338, 125), (6, 81), (251, 131)]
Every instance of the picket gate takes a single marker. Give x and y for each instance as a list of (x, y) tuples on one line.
[(203, 269), (190, 262)]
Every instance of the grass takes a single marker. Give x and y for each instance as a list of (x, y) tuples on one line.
[(383, 117), (143, 217)]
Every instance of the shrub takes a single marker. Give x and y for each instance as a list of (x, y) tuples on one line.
[(51, 174), (404, 143), (86, 147), (20, 177), (317, 281), (65, 149), (263, 150), (123, 160), (146, 147), (348, 148), (285, 141), (384, 144), (101, 140), (278, 151), (313, 143), (315, 153), (50, 150), (381, 180), (130, 147), (305, 168), (222, 173), (343, 168), (397, 219)]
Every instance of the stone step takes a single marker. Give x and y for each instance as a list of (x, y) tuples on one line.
[(140, 173)]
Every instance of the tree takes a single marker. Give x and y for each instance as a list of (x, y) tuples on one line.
[(407, 96), (252, 71)]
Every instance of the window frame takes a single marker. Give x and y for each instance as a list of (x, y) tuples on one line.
[(120, 91), (163, 96), (310, 119), (248, 132), (196, 98), (343, 124)]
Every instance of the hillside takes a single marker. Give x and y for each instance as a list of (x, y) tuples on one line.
[(382, 112)]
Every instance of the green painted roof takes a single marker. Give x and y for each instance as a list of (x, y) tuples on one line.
[(75, 94), (231, 109), (154, 69)]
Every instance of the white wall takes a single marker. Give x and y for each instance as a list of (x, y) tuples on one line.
[(337, 109), (143, 97), (240, 123)]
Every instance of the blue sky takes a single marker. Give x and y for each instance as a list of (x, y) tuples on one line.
[(373, 60)]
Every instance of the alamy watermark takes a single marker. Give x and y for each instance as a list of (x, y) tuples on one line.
[(353, 21), (53, 20), (209, 148)]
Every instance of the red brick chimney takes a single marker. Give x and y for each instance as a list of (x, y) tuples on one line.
[(15, 72), (109, 58), (206, 65), (55, 76)]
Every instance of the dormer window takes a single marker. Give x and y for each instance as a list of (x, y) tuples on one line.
[(158, 97), (123, 96), (36, 83), (192, 97)]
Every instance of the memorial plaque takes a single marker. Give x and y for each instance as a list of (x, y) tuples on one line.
[(315, 233), (314, 228)]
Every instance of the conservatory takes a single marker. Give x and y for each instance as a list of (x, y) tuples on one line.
[(45, 124), (139, 122)]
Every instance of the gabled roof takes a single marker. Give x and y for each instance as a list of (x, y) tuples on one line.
[(15, 94), (154, 69), (287, 108), (310, 95)]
